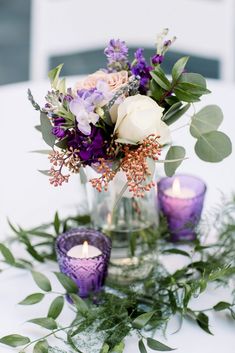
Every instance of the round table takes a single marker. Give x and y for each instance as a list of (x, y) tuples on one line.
[(27, 198)]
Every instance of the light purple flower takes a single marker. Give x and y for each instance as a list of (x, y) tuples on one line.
[(117, 53)]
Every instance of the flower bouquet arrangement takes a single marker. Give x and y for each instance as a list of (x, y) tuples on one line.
[(119, 118)]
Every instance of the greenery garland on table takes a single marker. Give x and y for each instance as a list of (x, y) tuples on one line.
[(141, 308)]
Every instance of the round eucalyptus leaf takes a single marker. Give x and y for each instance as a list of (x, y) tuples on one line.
[(206, 120), (213, 146)]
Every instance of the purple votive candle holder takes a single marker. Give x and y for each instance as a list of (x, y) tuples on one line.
[(88, 273), (182, 211)]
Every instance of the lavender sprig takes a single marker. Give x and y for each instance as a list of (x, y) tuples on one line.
[(31, 99)]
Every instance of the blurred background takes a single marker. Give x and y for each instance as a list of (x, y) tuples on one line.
[(36, 35)]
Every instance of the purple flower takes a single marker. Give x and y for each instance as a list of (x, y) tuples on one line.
[(58, 132), (91, 147), (83, 107), (142, 69), (116, 53), (157, 59)]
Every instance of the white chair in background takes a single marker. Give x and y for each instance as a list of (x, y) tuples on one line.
[(204, 27)]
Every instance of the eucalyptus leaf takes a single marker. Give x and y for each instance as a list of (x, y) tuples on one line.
[(41, 347), (32, 299), (194, 78), (213, 146), (185, 95), (14, 340), (46, 129), (67, 282), (158, 346), (56, 307), (142, 320), (7, 254), (174, 153), (142, 348), (222, 306), (178, 68), (46, 322), (203, 322), (206, 120), (42, 281), (57, 223), (80, 304), (193, 88)]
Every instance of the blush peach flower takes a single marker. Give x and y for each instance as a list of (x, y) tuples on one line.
[(115, 80)]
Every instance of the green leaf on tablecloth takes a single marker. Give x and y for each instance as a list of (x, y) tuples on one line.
[(158, 346), (142, 320), (213, 146), (41, 347), (141, 346), (32, 299), (56, 307), (46, 129), (54, 75), (206, 120), (222, 306), (178, 68), (66, 282), (42, 281), (14, 340), (46, 322), (119, 348), (7, 254), (176, 153), (57, 223), (176, 251), (80, 304), (159, 76), (203, 322)]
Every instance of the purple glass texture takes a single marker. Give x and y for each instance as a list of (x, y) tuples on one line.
[(182, 214), (89, 274)]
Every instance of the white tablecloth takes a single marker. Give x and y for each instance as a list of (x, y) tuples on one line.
[(27, 199)]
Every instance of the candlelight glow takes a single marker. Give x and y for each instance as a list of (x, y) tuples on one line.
[(85, 249), (176, 189)]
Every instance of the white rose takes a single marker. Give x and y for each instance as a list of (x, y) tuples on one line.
[(138, 117)]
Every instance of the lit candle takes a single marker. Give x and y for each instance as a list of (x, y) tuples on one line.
[(84, 251), (181, 200), (180, 192)]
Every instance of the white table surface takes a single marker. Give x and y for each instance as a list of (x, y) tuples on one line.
[(27, 199)]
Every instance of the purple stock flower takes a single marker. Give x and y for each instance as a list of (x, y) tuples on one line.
[(91, 147), (116, 53), (142, 69), (58, 132), (83, 107), (157, 59)]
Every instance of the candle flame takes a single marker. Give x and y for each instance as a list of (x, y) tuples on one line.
[(85, 249), (109, 219), (176, 189)]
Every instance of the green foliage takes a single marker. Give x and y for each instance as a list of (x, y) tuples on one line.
[(206, 120), (41, 347), (42, 281), (179, 67), (175, 112), (142, 307), (54, 77), (14, 340), (32, 299), (56, 307), (7, 254), (46, 322), (69, 285), (174, 158), (46, 128), (213, 146)]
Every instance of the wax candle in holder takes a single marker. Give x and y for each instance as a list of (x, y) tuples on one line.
[(83, 255), (181, 200)]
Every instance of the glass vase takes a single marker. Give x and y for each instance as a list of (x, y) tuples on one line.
[(131, 223)]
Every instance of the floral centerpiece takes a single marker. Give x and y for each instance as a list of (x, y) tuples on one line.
[(117, 121)]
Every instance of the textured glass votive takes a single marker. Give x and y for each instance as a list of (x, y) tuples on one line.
[(183, 210), (88, 273)]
